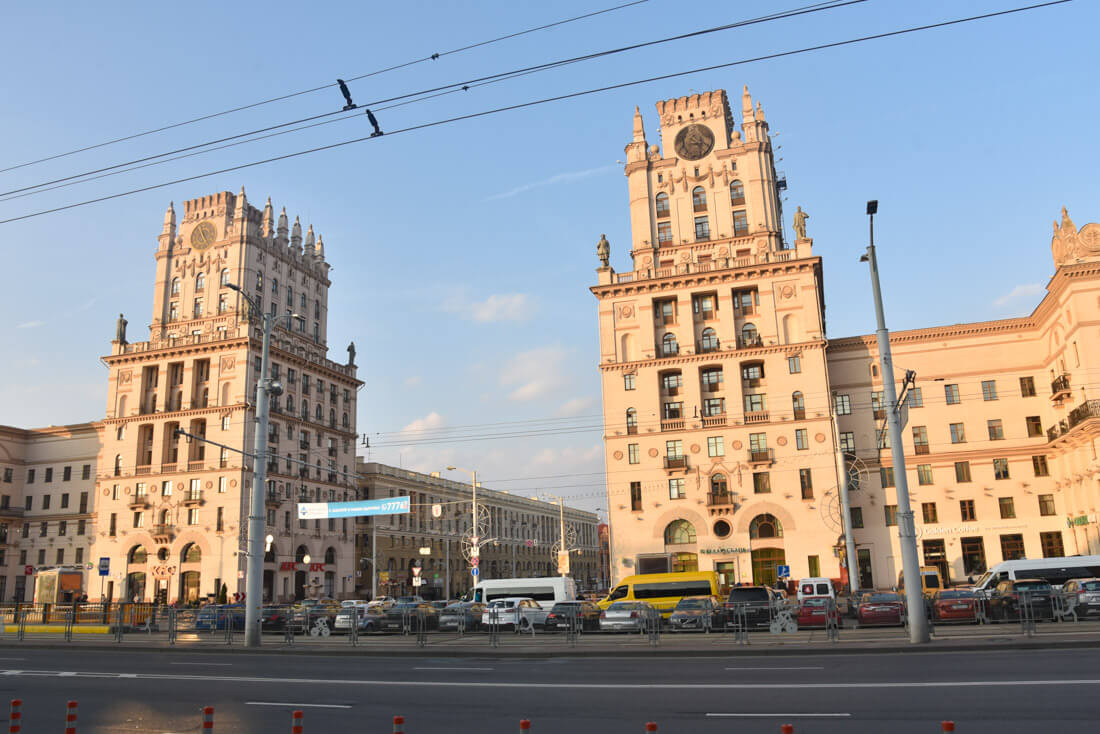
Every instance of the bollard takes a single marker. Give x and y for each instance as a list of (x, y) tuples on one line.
[(70, 717), (15, 720), (651, 726), (787, 729), (524, 725), (296, 722), (208, 720), (947, 725), (399, 725)]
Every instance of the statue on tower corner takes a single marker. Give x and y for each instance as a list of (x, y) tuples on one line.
[(351, 354), (800, 218), (603, 250), (120, 329)]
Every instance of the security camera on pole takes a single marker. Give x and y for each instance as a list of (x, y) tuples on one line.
[(907, 535)]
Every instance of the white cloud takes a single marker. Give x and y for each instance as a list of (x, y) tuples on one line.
[(555, 179), (430, 421), (534, 373), (1027, 290), (497, 307), (414, 381), (576, 406), (30, 324), (568, 457)]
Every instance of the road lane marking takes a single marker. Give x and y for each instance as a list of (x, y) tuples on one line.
[(425, 668), (65, 675), (222, 664), (12, 658), (300, 705), (777, 716), (801, 667)]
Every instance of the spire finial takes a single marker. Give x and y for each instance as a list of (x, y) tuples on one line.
[(639, 128), (170, 219)]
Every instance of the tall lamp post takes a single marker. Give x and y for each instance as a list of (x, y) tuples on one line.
[(265, 387), (475, 541), (907, 535)]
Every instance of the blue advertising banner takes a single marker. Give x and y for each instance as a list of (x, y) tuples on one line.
[(359, 508)]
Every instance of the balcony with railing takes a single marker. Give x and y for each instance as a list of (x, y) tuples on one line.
[(878, 413), (140, 502), (799, 414), (711, 421), (676, 424), (1059, 387), (719, 499), (163, 533), (676, 462), (761, 456), (11, 512), (196, 464), (749, 342), (193, 498), (756, 416), (168, 468), (1077, 416), (740, 240), (142, 469), (303, 443), (273, 499)]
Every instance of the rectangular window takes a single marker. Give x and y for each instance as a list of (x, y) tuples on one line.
[(628, 382), (716, 446), (1052, 544), (857, 517), (64, 500), (1027, 387), (676, 488), (702, 228), (806, 480), (996, 429), (113, 526), (966, 511), (49, 474), (920, 439), (882, 438), (674, 449), (886, 476), (193, 516), (916, 398), (740, 223), (951, 392), (139, 519), (1046, 505), (45, 502), (60, 556), (714, 407), (705, 306), (989, 389), (801, 439), (794, 365), (755, 403), (86, 471), (928, 509), (1008, 508), (166, 488), (924, 474), (761, 482), (876, 405), (636, 496), (962, 471), (1000, 468), (1034, 426), (664, 232), (62, 527), (674, 411), (223, 483), (1012, 547), (848, 442), (43, 530), (67, 474), (220, 520), (632, 453), (30, 476), (671, 382), (958, 433), (758, 442), (813, 563), (27, 502), (81, 525), (843, 404), (1039, 464), (891, 512), (79, 556)]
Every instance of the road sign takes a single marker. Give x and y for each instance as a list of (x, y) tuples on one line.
[(530, 544), (474, 561), (417, 581), (473, 571), (28, 570), (416, 572), (783, 571), (383, 576), (475, 551), (437, 510), (104, 566)]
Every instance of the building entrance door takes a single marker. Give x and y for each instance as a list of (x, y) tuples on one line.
[(764, 563), (863, 560), (935, 554), (189, 587), (727, 575), (973, 553)]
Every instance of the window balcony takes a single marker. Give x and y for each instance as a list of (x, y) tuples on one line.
[(1059, 388), (800, 414), (142, 470), (196, 465), (708, 348), (710, 421), (672, 390), (712, 386), (303, 443), (676, 462), (11, 512), (761, 456), (631, 430), (676, 424), (193, 498), (163, 533), (756, 416), (750, 342), (140, 503), (921, 448), (719, 499), (168, 468), (332, 451), (273, 500)]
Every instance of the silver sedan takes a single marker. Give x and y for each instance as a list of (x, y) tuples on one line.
[(626, 616)]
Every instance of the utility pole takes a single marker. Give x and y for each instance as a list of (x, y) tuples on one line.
[(265, 387), (475, 541), (373, 559), (907, 535)]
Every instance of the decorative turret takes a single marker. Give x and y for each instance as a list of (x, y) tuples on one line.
[(320, 249), (1070, 245), (296, 238), (281, 232), (268, 230), (752, 120), (240, 211), (310, 249), (168, 232), (636, 149)]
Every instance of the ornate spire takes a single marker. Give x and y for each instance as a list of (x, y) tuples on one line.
[(746, 105), (759, 112), (310, 249), (269, 220), (170, 220), (296, 237), (320, 248), (639, 128), (282, 231)]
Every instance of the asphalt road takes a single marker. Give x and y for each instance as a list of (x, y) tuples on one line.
[(140, 691)]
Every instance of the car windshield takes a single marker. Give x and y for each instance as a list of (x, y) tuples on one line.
[(565, 607), (1091, 586), (956, 594), (1032, 586), (813, 602), (755, 593), (880, 598), (624, 606), (691, 604)]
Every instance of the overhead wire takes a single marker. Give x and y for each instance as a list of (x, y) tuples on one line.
[(534, 103), (431, 57)]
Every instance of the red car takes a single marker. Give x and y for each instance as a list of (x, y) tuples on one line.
[(881, 608), (814, 611), (954, 605)]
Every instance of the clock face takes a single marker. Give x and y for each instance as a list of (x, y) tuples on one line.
[(202, 236), (694, 142)]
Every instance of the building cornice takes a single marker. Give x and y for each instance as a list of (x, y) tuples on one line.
[(721, 355), (705, 278)]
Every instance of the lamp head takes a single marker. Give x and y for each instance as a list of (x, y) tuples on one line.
[(234, 286), (451, 468)]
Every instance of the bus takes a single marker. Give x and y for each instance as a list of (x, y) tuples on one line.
[(1055, 571), (547, 591), (663, 590)]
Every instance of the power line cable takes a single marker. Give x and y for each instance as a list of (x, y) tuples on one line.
[(537, 102), (465, 85), (290, 95)]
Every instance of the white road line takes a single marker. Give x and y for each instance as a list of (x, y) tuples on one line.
[(65, 675), (12, 658), (300, 705), (778, 716), (221, 664), (801, 667), (423, 668)]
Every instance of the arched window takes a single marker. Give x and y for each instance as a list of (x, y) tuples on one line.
[(224, 277), (301, 553), (163, 517), (175, 286), (669, 347), (765, 526), (749, 335), (200, 281), (699, 199), (137, 555), (737, 193), (331, 417), (191, 554), (330, 555), (118, 465), (344, 417), (718, 484), (679, 532), (662, 205), (305, 409), (799, 405), (275, 286), (270, 554), (709, 342), (631, 420), (318, 413)]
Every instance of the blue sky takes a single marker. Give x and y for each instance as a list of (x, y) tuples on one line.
[(462, 253)]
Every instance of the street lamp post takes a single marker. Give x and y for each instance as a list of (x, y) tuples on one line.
[(907, 535), (265, 387), (475, 541)]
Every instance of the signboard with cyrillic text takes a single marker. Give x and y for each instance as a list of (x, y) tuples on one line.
[(359, 508)]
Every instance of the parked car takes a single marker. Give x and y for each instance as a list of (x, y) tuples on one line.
[(625, 616), (364, 617), (451, 615), (1083, 596), (697, 613), (758, 603), (397, 616), (515, 610), (561, 614), (815, 586), (382, 601), (814, 611), (885, 608), (274, 618), (1005, 601), (217, 616), (410, 599), (954, 605)]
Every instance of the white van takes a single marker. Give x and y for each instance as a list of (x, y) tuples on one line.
[(816, 586), (1055, 571), (547, 591)]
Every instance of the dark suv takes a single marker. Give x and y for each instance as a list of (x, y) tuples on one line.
[(1005, 602), (758, 603)]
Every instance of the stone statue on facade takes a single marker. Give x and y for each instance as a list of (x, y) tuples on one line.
[(120, 329), (800, 218), (603, 250), (351, 354)]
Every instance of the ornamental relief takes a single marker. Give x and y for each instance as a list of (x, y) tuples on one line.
[(125, 379)]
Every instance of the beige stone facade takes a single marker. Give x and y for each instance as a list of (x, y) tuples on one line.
[(731, 419)]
